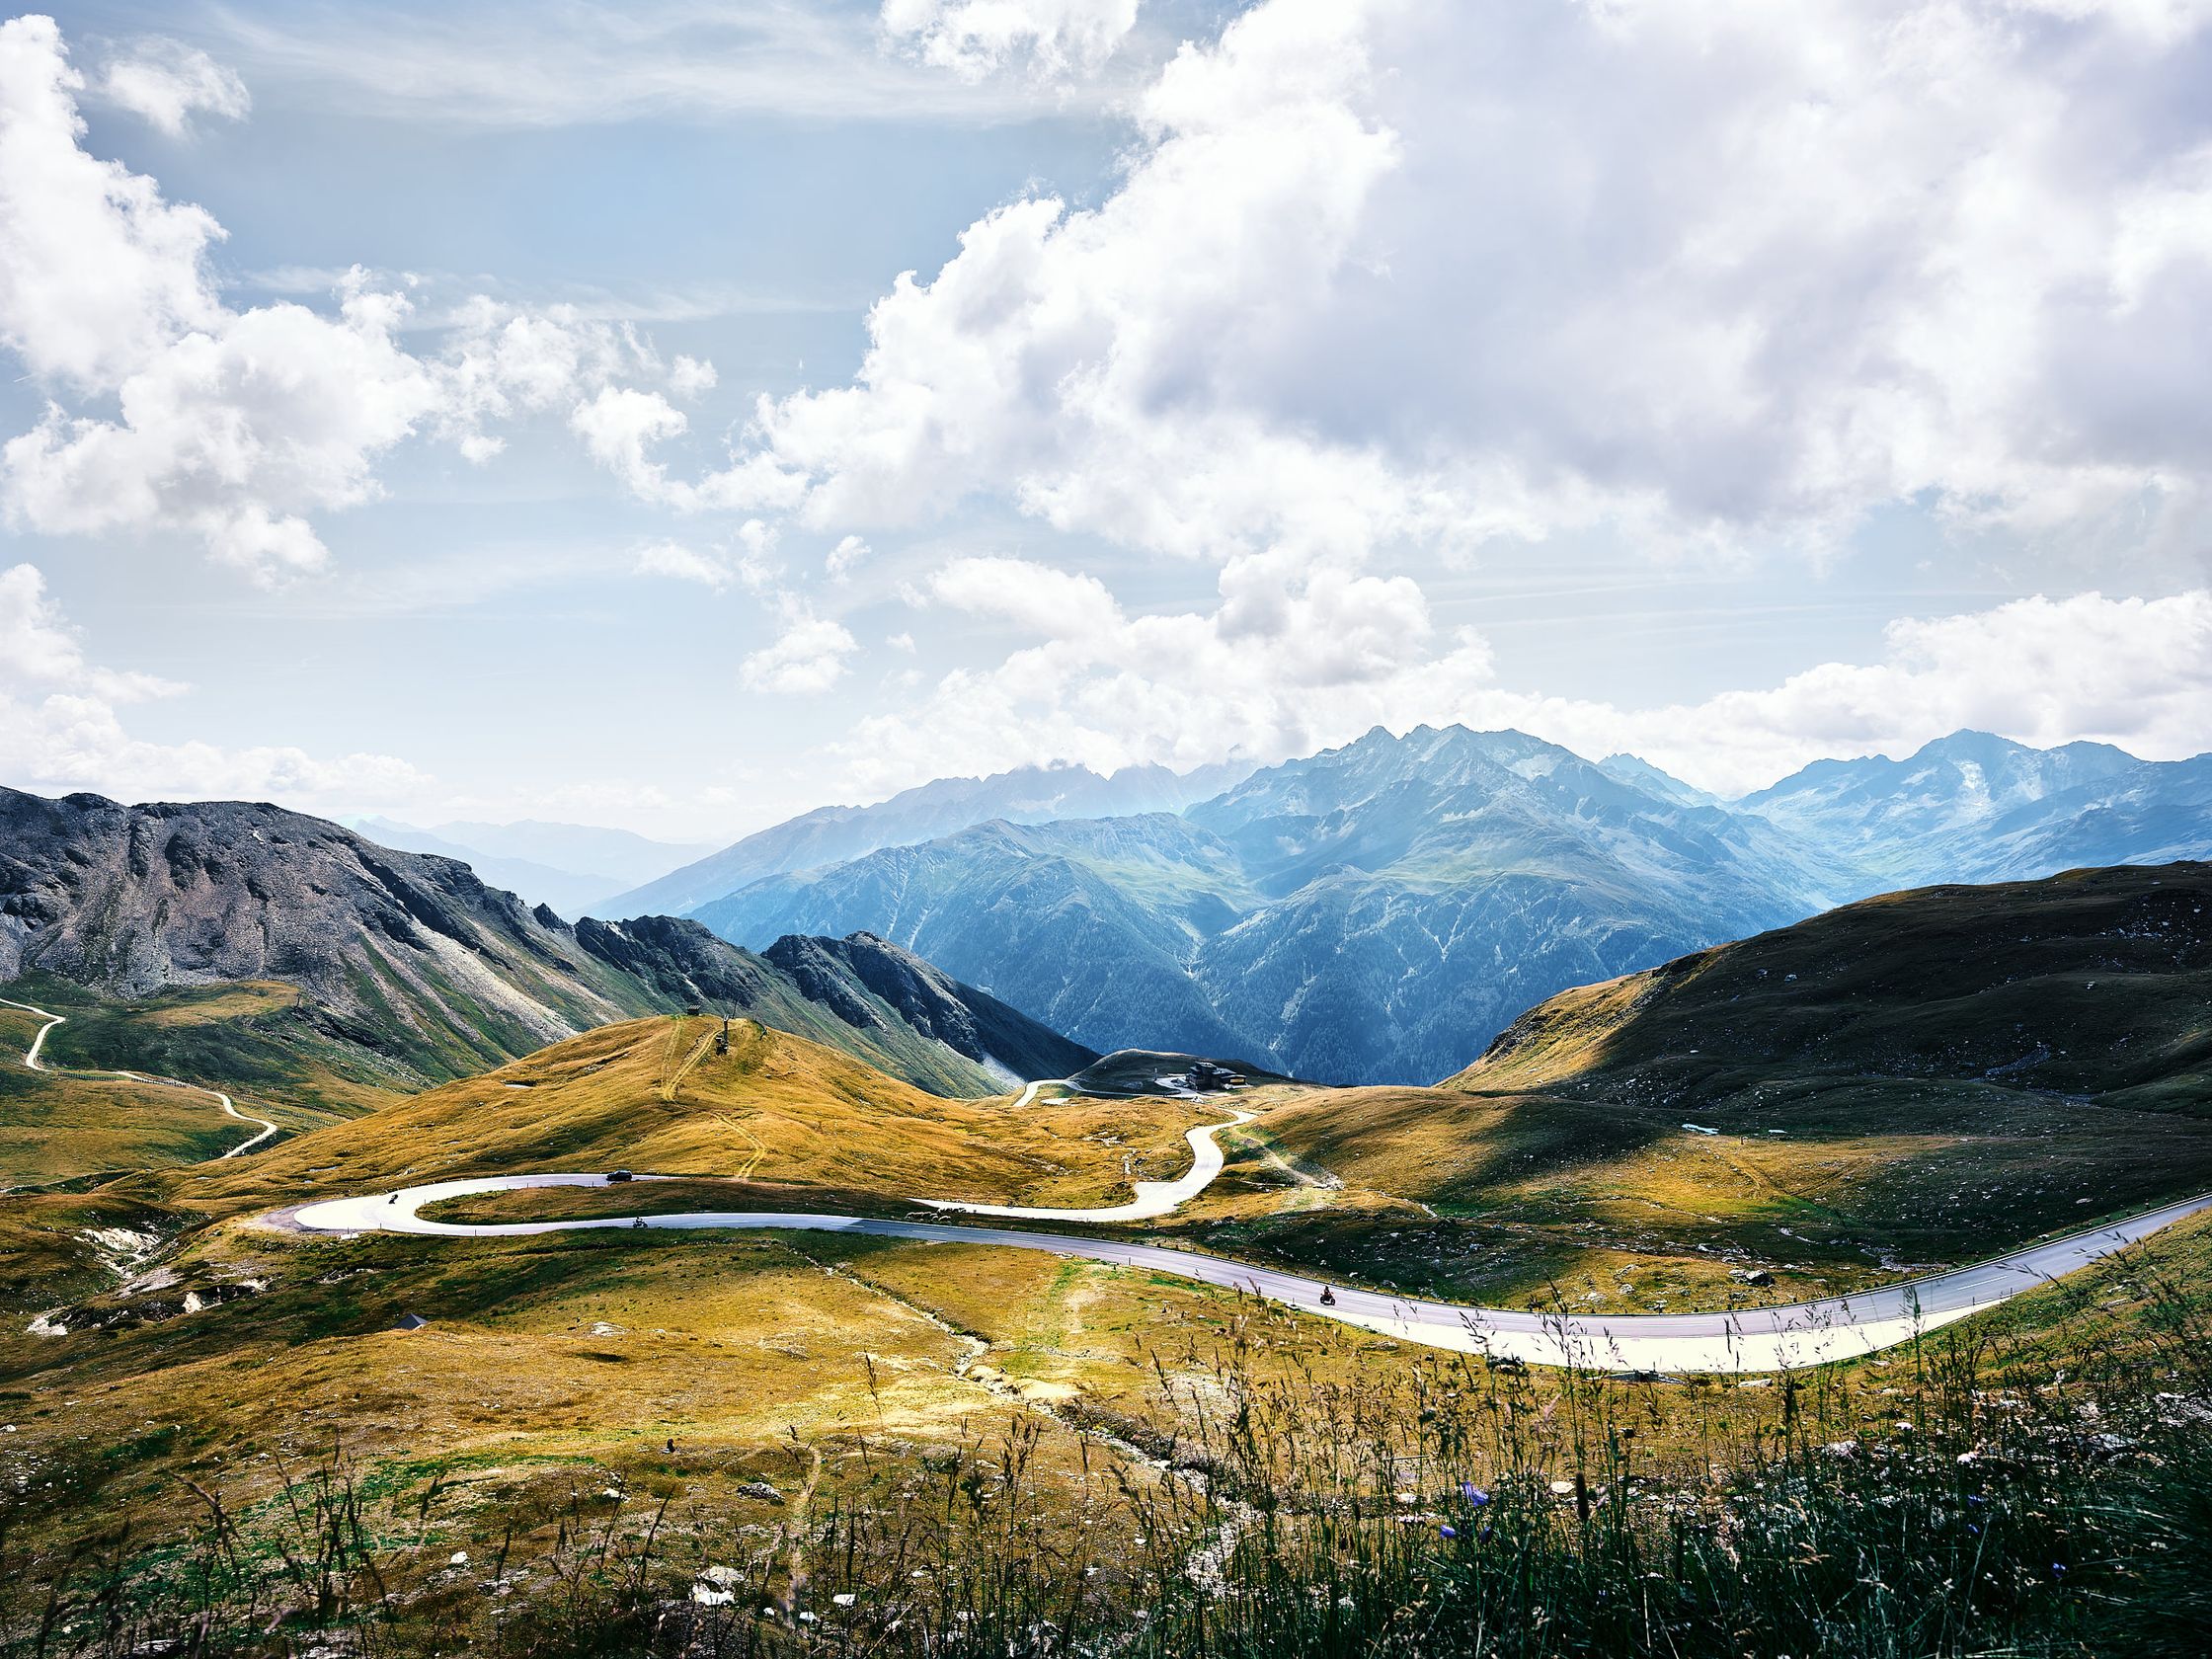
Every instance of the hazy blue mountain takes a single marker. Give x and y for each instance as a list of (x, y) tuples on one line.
[(572, 893), (1088, 925), (1919, 819), (1633, 768), (2152, 813), (830, 834), (1374, 912), (567, 866), (1428, 888), (576, 846)]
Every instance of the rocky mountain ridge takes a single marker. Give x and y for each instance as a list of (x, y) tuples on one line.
[(415, 959), (1374, 911)]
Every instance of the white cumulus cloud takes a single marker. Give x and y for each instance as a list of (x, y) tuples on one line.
[(691, 378), (1394, 271), (97, 272), (808, 655), (1296, 658), (237, 427), (62, 728), (747, 559), (168, 83), (684, 564)]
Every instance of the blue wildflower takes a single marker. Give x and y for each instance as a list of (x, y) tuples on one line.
[(1447, 1531), (1474, 1494)]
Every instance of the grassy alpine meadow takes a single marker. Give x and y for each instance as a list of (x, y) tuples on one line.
[(252, 1041), (1106, 830), (217, 1435), (1893, 1086), (907, 1449)]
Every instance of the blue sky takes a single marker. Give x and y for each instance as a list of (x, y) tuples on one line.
[(1660, 375)]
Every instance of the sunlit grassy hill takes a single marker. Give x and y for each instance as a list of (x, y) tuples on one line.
[(125, 1171), (776, 1112), (1139, 1071), (817, 1411)]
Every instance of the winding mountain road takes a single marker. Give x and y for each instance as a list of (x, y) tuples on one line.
[(1153, 1198), (1748, 1340), (1745, 1340), (230, 1108)]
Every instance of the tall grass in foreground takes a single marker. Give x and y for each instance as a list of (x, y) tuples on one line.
[(1962, 1496)]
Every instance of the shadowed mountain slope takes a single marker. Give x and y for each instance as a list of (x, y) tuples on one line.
[(1927, 1078), (855, 976), (2095, 984)]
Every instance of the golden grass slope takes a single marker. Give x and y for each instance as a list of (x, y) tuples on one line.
[(779, 1111), (2097, 982)]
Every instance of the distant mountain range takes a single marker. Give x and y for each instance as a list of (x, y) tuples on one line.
[(1378, 911), (1374, 911), (573, 867), (830, 834), (413, 961), (1976, 808)]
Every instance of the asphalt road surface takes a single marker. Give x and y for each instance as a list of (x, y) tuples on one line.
[(1749, 1340)]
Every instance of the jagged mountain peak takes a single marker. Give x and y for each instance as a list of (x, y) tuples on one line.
[(1635, 770)]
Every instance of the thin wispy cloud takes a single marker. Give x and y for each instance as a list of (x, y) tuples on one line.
[(573, 63)]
